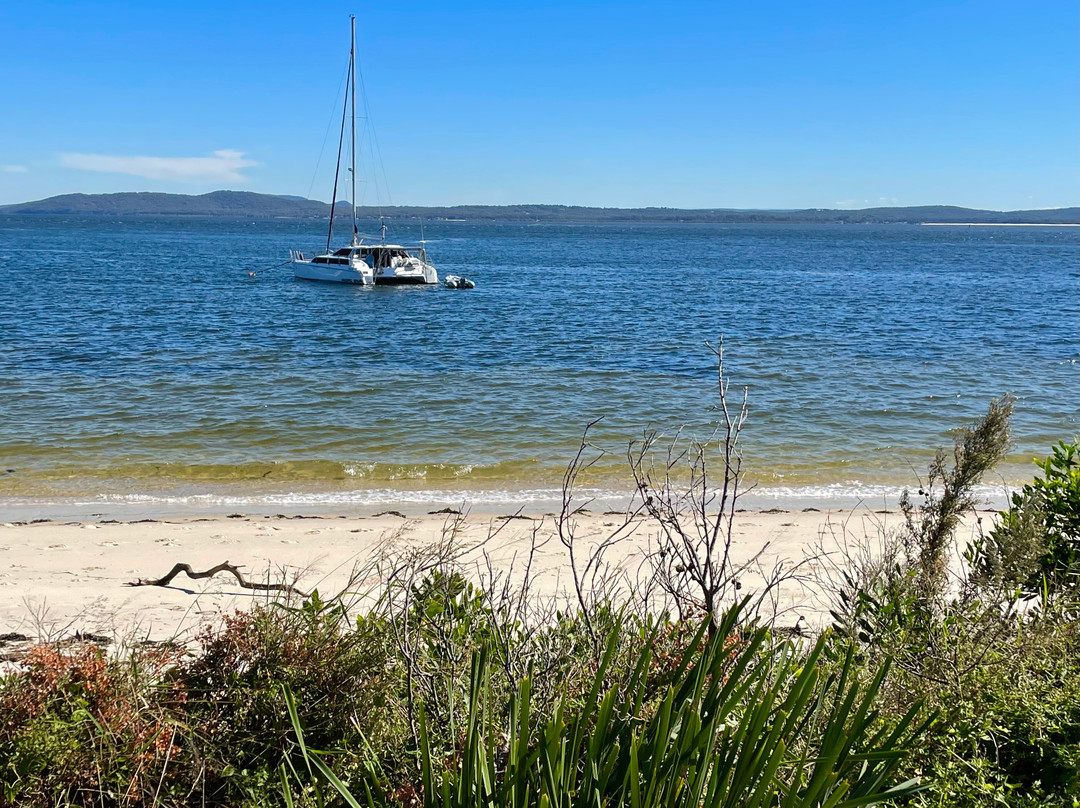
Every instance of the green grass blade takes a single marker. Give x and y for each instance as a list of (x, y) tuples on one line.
[(339, 786)]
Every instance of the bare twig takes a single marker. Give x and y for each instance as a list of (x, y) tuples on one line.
[(693, 559), (593, 578)]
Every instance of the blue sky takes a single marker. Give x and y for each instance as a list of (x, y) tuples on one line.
[(681, 104)]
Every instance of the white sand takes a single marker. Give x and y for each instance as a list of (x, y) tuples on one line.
[(58, 578)]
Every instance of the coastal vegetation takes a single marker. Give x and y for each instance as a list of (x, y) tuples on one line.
[(245, 204), (944, 675)]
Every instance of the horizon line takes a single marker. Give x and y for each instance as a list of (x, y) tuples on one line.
[(298, 198)]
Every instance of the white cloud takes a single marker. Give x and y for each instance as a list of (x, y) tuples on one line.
[(14, 169), (222, 166)]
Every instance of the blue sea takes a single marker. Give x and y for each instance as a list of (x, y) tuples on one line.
[(176, 365)]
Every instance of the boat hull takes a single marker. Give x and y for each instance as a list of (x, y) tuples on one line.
[(398, 280), (411, 276), (330, 273)]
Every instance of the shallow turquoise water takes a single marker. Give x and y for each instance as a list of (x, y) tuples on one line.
[(141, 362)]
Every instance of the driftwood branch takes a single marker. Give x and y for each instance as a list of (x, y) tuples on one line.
[(225, 566)]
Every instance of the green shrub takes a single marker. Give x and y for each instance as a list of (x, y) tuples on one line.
[(345, 677), (1036, 543), (745, 722), (1003, 678), (1008, 732), (78, 729)]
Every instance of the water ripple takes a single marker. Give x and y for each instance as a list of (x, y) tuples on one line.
[(138, 353)]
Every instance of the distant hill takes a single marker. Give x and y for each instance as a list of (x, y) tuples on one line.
[(218, 203), (243, 204)]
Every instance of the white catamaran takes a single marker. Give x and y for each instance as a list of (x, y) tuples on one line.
[(372, 263)]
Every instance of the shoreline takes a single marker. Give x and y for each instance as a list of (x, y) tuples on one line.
[(62, 577), (1000, 224), (220, 502)]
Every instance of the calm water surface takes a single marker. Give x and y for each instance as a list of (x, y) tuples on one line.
[(141, 363)]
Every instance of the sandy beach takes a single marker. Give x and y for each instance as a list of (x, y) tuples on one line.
[(58, 578)]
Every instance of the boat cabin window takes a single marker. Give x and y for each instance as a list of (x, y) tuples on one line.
[(343, 251)]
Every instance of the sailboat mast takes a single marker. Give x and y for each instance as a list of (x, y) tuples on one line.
[(352, 69)]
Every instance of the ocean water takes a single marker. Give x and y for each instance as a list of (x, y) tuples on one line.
[(142, 364)]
